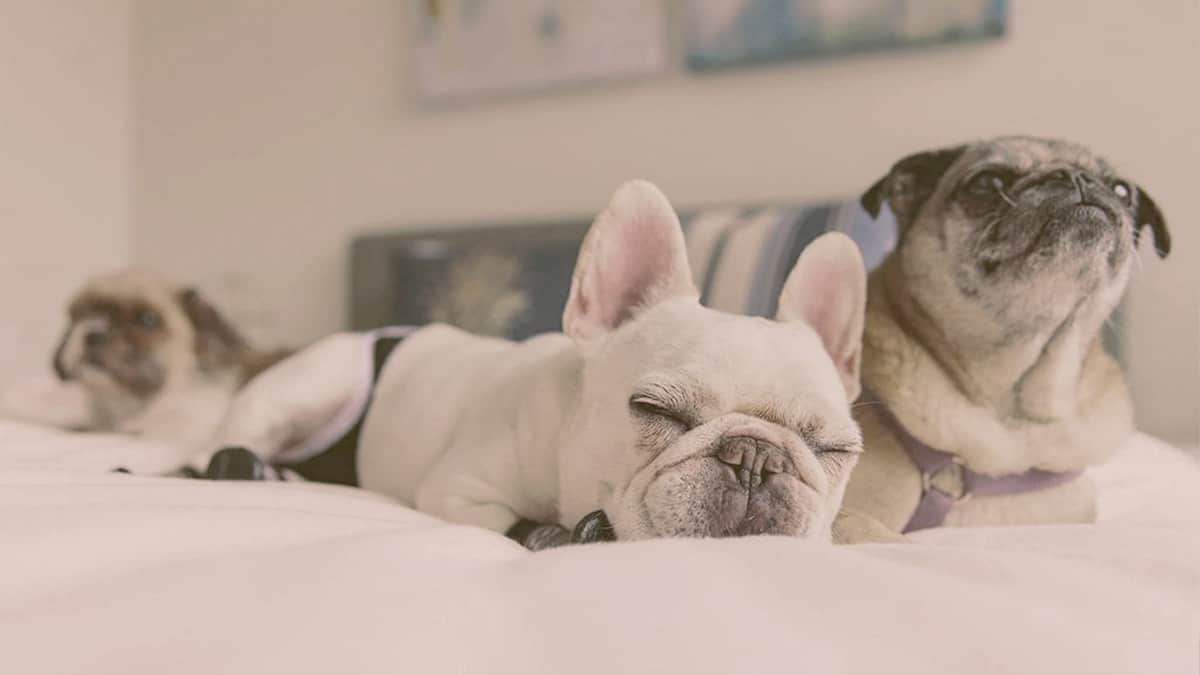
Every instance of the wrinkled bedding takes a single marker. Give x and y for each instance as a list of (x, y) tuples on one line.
[(109, 573)]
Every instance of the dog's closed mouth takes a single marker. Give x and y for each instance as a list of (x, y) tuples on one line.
[(1091, 211), (1079, 218)]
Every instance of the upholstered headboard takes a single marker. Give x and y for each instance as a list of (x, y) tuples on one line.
[(512, 281)]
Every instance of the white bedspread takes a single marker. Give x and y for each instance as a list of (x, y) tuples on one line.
[(103, 573)]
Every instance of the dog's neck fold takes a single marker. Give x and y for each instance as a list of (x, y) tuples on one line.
[(1035, 377), (1008, 398)]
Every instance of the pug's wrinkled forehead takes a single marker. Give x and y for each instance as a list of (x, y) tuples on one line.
[(1023, 153), (924, 183)]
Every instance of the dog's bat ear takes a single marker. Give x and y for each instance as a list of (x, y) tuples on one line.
[(1149, 215), (872, 200), (910, 182), (827, 289), (632, 257), (217, 344)]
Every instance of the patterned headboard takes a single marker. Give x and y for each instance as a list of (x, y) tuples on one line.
[(512, 281)]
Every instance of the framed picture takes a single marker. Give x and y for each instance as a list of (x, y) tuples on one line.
[(727, 33), (500, 280), (474, 48)]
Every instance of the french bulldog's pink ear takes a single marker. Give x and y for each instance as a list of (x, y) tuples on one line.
[(827, 289), (632, 257)]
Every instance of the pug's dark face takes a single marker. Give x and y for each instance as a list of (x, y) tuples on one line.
[(1015, 216)]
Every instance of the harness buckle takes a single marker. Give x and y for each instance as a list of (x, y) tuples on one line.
[(951, 481)]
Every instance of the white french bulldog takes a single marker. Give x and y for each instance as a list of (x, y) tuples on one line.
[(670, 418)]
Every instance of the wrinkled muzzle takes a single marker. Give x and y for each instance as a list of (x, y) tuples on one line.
[(747, 482)]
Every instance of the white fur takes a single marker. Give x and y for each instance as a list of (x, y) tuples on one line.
[(828, 290), (485, 431)]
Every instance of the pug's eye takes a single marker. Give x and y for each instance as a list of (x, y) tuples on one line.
[(651, 409), (148, 319), (1123, 190), (988, 183)]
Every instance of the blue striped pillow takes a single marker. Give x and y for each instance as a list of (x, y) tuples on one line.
[(741, 257), (512, 281)]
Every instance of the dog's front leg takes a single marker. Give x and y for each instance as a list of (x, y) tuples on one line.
[(855, 527), (290, 400), (455, 494)]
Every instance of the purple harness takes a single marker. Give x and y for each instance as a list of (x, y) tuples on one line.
[(936, 503)]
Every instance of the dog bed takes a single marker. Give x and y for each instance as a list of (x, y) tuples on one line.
[(111, 573)]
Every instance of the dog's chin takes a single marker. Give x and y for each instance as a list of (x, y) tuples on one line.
[(1081, 229), (701, 497)]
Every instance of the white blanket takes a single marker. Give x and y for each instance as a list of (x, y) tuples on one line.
[(108, 573)]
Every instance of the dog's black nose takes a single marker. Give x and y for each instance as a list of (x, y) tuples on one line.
[(95, 338), (753, 460), (1078, 180)]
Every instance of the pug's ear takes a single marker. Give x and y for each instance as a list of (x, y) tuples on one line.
[(217, 343), (632, 258), (1148, 215), (827, 289), (910, 183)]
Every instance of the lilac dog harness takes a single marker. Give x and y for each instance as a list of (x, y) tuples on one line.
[(936, 502)]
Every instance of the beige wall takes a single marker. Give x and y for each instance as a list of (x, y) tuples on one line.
[(65, 106), (269, 131)]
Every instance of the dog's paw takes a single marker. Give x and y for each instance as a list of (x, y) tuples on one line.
[(851, 527)]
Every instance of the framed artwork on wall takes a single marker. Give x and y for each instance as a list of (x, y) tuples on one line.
[(474, 48), (729, 33)]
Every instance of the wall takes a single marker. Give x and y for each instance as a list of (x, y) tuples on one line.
[(269, 131), (65, 107)]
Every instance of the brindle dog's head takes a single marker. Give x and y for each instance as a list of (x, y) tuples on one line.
[(1027, 228), (131, 334)]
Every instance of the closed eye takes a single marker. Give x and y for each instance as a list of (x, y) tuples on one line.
[(832, 444), (646, 407), (847, 449)]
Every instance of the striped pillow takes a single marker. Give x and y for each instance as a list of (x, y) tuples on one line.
[(741, 257), (512, 281)]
